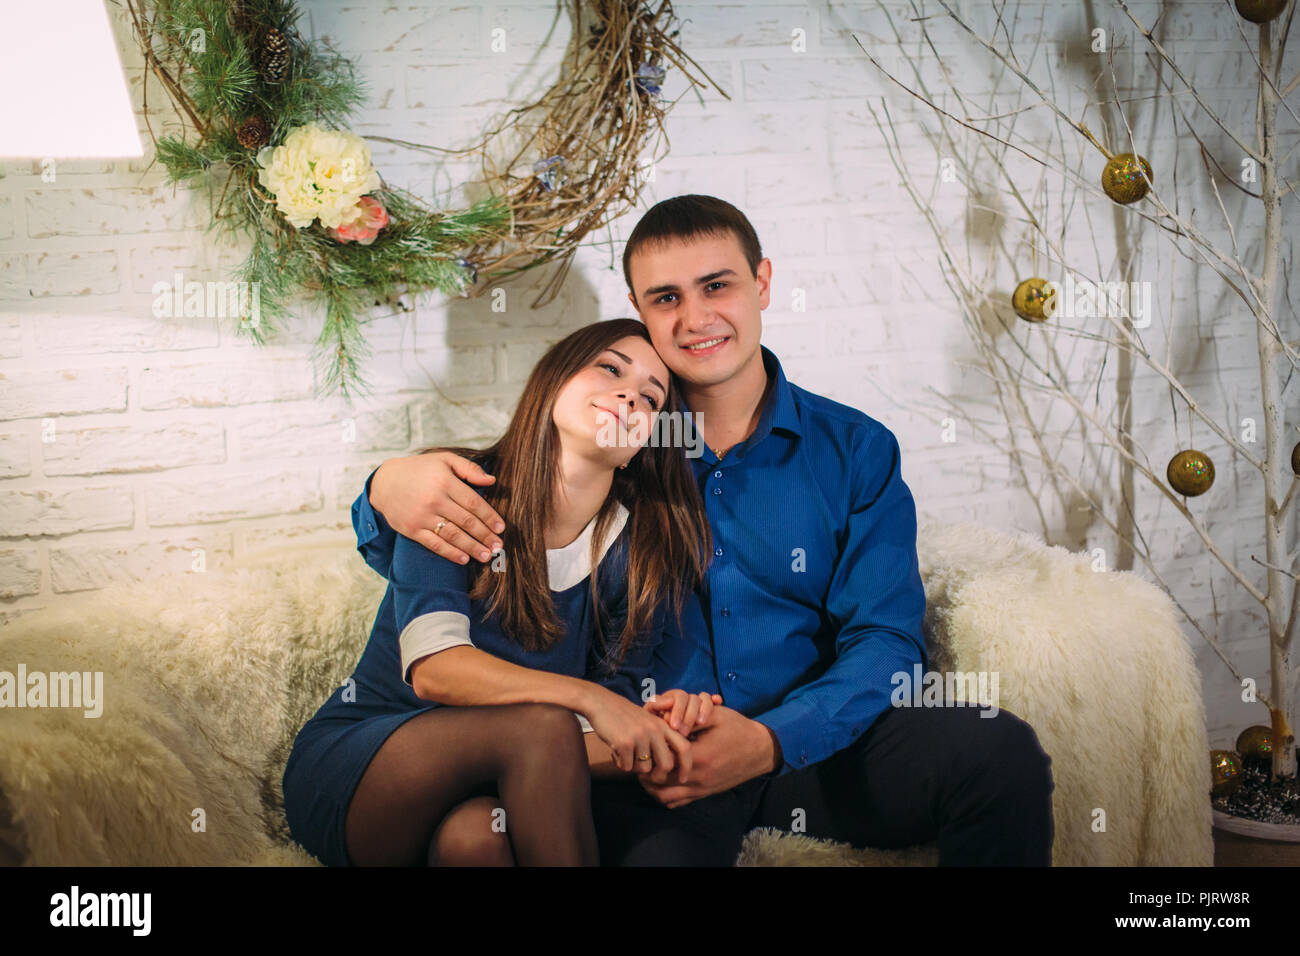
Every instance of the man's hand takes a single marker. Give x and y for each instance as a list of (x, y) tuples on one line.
[(727, 752), (414, 493)]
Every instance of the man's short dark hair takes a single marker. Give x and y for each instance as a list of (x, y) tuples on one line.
[(690, 217)]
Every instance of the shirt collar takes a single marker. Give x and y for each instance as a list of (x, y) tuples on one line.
[(779, 410)]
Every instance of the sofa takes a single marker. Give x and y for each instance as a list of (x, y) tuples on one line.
[(207, 677)]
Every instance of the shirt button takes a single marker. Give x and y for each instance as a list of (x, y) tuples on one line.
[(731, 675), (717, 552), (717, 474), (717, 491), (370, 525), (726, 612), (803, 758)]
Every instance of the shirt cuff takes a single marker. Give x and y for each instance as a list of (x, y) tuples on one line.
[(797, 724), (429, 634), (370, 523)]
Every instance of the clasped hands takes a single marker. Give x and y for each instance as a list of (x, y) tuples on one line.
[(726, 748)]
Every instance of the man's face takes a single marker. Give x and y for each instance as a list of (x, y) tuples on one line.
[(692, 293)]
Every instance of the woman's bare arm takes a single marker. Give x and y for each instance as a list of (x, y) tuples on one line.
[(467, 676), (463, 676)]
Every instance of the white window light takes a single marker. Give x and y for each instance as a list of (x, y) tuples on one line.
[(65, 95)]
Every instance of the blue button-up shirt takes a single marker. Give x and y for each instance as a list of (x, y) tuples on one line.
[(813, 599)]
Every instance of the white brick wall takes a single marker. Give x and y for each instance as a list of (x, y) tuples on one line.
[(132, 445)]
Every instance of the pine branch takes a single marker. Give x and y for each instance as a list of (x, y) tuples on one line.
[(182, 160)]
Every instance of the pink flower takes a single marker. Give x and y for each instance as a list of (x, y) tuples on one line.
[(370, 216)]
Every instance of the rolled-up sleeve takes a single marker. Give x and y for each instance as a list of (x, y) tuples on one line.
[(430, 600), (876, 603)]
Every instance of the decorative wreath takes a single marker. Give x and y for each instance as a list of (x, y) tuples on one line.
[(269, 141)]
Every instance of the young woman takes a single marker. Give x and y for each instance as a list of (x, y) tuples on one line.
[(459, 737)]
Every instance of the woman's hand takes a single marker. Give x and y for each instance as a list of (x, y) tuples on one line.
[(415, 492), (641, 742), (683, 712)]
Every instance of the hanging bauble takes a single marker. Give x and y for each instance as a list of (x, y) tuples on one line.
[(273, 57), (1190, 473), (1256, 743), (1260, 11), (1225, 772), (550, 172), (1122, 178), (1295, 459), (1030, 300), (253, 133)]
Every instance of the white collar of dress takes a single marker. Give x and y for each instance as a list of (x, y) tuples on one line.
[(570, 564)]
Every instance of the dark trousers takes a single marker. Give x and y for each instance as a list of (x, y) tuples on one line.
[(980, 786)]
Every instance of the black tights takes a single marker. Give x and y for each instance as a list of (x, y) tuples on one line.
[(435, 791)]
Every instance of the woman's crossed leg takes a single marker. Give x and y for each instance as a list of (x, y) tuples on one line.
[(423, 797)]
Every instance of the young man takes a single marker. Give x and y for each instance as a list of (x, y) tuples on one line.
[(811, 605)]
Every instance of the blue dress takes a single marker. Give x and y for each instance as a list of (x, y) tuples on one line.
[(427, 607)]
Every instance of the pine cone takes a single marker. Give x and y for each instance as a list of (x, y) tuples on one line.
[(273, 57), (253, 133)]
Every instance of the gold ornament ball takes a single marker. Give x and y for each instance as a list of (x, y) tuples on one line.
[(1190, 473), (1260, 11), (1030, 299), (1225, 771), (1122, 178), (1256, 743), (1295, 459)]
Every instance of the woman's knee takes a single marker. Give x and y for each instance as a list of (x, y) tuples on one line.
[(547, 718), (472, 834), (549, 732)]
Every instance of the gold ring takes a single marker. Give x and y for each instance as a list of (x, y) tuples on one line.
[(646, 757), (439, 527)]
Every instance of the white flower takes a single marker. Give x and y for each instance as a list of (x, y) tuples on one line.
[(317, 173)]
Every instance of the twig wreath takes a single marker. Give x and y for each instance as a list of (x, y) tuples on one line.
[(269, 141)]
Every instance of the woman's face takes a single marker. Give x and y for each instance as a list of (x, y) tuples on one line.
[(608, 409)]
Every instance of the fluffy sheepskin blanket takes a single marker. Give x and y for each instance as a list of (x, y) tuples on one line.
[(207, 677)]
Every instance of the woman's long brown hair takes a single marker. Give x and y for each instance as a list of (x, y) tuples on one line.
[(669, 541)]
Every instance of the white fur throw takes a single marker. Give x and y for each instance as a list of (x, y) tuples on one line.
[(207, 678)]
